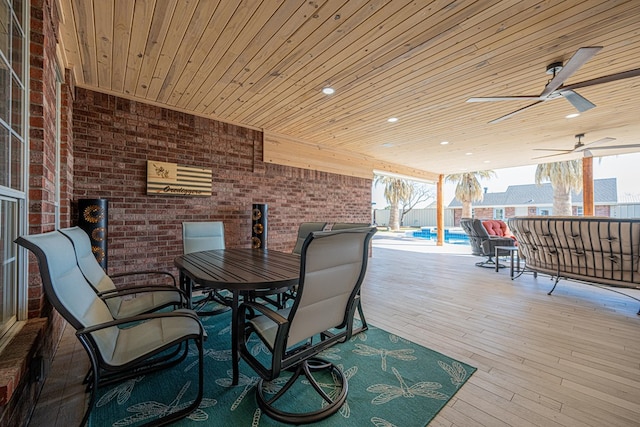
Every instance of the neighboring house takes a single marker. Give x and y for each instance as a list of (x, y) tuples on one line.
[(533, 199)]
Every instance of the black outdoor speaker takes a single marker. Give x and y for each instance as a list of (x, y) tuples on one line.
[(259, 226), (93, 218)]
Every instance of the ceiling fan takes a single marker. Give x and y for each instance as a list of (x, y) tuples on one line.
[(555, 89), (586, 149)]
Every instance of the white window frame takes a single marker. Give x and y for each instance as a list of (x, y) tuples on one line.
[(21, 196)]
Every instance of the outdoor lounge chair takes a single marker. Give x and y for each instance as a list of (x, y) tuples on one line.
[(332, 268), (118, 349), (483, 244), (123, 301)]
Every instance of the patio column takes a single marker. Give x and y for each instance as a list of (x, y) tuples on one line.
[(440, 210), (587, 186)]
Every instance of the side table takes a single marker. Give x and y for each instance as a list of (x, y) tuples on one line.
[(513, 253)]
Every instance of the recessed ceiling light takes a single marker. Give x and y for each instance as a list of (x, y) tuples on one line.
[(328, 90), (468, 154), (387, 144), (572, 115), (444, 142), (487, 161), (392, 119)]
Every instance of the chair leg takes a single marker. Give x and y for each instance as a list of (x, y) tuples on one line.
[(211, 296), (363, 321), (332, 402)]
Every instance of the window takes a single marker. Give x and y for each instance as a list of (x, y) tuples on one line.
[(13, 160), (59, 80), (579, 211), (544, 211), (498, 213)]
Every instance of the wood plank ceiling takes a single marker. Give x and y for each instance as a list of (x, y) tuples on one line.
[(263, 64)]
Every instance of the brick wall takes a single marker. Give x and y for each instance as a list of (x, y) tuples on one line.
[(114, 137)]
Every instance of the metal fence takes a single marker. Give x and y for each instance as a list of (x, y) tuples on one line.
[(627, 210), (414, 218)]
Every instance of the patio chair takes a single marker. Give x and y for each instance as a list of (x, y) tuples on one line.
[(204, 236), (118, 349), (483, 244), (304, 229), (332, 268), (346, 225), (123, 301), (209, 235)]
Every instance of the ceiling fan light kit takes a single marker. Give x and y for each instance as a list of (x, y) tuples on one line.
[(555, 89)]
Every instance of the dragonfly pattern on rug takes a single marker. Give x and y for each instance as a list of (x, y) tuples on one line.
[(122, 392), (456, 371), (335, 388), (152, 409), (405, 354), (387, 392), (243, 381)]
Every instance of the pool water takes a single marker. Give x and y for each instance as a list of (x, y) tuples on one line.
[(455, 236)]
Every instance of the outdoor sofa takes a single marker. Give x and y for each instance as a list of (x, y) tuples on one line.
[(596, 250)]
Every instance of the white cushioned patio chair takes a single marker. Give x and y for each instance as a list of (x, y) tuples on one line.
[(204, 236), (118, 349), (345, 225), (332, 267), (304, 229), (124, 301)]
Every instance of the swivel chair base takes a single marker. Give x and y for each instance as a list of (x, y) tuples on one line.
[(330, 406)]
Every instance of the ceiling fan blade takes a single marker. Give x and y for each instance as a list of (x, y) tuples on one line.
[(613, 147), (513, 113), (581, 56), (580, 103), (551, 155), (551, 149), (604, 79), (594, 144), (501, 98)]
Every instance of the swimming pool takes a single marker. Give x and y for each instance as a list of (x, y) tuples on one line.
[(454, 235)]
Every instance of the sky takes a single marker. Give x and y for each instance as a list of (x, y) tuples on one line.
[(625, 167)]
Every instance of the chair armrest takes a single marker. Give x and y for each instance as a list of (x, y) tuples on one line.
[(271, 314), (142, 317), (133, 289), (145, 272)]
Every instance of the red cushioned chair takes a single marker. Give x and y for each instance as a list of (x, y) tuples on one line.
[(484, 243)]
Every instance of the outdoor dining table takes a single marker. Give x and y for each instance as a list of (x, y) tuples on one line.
[(239, 271)]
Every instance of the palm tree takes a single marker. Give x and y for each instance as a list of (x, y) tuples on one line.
[(564, 177), (396, 190), (468, 188)]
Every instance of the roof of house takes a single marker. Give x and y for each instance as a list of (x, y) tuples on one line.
[(605, 191)]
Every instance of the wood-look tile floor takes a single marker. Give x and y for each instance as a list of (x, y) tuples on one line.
[(567, 359)]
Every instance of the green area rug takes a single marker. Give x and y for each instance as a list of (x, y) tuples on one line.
[(392, 382)]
